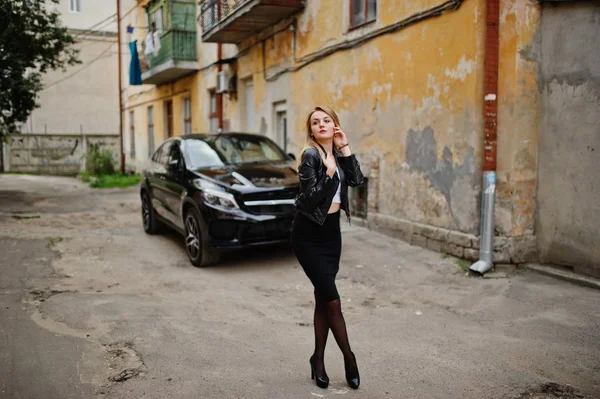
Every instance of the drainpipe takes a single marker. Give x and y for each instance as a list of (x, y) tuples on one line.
[(490, 116), (122, 153), (220, 95)]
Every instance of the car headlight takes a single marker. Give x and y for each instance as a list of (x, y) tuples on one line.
[(214, 195), (219, 198)]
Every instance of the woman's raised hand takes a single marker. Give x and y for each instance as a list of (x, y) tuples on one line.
[(339, 137), (329, 163)]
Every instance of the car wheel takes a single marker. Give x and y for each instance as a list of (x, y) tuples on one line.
[(149, 221), (195, 241)]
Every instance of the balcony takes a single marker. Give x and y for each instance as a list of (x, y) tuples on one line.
[(175, 59), (231, 21)]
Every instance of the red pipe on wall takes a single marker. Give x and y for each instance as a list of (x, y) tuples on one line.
[(490, 130), (490, 108), (220, 95), (122, 151)]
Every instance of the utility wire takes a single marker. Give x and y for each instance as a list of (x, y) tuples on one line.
[(80, 69), (105, 21), (97, 57), (128, 12), (91, 28)]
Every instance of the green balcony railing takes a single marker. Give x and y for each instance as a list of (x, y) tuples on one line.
[(175, 45)]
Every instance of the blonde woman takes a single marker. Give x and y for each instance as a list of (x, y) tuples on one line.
[(327, 167)]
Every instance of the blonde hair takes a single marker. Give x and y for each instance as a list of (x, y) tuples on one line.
[(310, 140)]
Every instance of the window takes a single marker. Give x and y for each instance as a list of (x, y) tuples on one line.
[(362, 12), (169, 118), (280, 113), (248, 149), (175, 152), (199, 154), (359, 199), (187, 116), (232, 149), (156, 155), (213, 115), (131, 134), (174, 163), (150, 130), (75, 5), (164, 153), (249, 105)]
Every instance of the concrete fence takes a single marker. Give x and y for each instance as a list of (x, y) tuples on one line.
[(53, 154)]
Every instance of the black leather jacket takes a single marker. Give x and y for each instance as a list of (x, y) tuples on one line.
[(317, 188)]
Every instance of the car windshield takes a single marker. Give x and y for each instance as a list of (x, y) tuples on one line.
[(230, 149)]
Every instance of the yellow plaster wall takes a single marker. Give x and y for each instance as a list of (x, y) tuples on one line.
[(518, 118), (424, 78), (431, 75), (401, 98)]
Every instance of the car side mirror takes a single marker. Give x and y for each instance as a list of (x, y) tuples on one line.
[(292, 156)]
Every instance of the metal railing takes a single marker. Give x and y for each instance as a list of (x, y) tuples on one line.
[(175, 45), (214, 11)]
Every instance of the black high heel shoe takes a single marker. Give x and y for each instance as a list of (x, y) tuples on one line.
[(321, 380), (352, 376)]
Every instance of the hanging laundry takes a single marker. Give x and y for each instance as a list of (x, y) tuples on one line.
[(135, 71), (156, 37), (149, 44)]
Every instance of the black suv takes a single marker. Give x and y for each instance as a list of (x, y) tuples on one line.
[(221, 192)]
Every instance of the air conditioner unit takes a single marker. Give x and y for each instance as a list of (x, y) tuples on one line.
[(222, 85)]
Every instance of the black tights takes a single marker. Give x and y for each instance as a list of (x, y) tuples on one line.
[(328, 315)]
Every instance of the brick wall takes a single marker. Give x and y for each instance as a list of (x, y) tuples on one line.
[(507, 250)]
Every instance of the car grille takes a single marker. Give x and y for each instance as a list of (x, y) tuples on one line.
[(271, 229), (279, 202)]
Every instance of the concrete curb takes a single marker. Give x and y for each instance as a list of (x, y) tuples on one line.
[(564, 275)]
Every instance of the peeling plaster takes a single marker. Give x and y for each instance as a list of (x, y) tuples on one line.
[(431, 102), (519, 113), (377, 90), (308, 18), (444, 174), (398, 83), (461, 71), (374, 57)]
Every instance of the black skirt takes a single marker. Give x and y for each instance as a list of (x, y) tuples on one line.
[(318, 249)]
